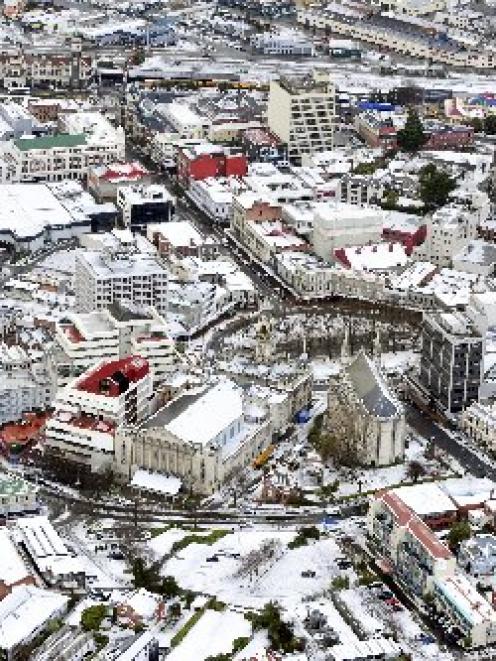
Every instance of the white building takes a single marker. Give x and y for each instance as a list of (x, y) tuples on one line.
[(89, 140), (201, 437), (467, 609), (120, 272), (31, 216), (449, 230), (477, 556), (84, 339), (301, 113), (89, 409), (214, 196), (48, 553), (27, 383), (187, 123), (25, 613), (338, 225), (282, 42), (478, 421)]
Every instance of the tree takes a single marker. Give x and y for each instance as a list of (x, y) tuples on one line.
[(92, 617), (411, 137), (280, 633), (175, 610), (490, 124), (477, 124), (459, 532), (435, 186), (414, 470)]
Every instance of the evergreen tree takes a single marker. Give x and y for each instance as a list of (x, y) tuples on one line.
[(412, 137), (435, 187)]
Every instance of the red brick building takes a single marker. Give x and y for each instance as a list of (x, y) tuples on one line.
[(203, 161)]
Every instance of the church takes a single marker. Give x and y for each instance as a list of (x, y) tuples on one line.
[(370, 415)]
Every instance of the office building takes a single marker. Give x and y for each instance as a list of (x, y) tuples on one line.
[(120, 272), (451, 360)]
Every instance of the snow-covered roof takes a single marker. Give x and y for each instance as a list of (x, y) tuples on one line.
[(166, 484), (24, 611), (425, 499), (209, 415)]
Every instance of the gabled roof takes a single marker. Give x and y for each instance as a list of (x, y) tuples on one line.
[(371, 388)]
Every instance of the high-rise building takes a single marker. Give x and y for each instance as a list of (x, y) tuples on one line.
[(301, 113), (451, 360)]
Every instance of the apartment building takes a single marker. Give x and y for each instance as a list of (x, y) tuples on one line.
[(40, 67), (310, 277), (91, 407), (451, 360), (448, 231), (120, 272), (201, 437), (301, 113)]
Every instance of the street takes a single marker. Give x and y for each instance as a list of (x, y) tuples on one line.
[(473, 461)]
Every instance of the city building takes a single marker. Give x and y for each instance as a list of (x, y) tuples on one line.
[(91, 407), (24, 613), (282, 42), (142, 205), (451, 360), (32, 216), (84, 339), (48, 553), (477, 556), (104, 181), (26, 383), (208, 160), (263, 146), (13, 569), (338, 225), (478, 421), (17, 497), (120, 272), (404, 546), (63, 155), (301, 113), (361, 392), (202, 437)]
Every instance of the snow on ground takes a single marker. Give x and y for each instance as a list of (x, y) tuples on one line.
[(255, 648), (162, 544), (192, 571), (213, 634)]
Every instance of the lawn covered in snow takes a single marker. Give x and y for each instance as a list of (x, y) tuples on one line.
[(213, 634)]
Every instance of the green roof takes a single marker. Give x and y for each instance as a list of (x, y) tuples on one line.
[(51, 141), (14, 485)]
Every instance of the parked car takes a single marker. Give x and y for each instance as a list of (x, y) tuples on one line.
[(308, 573)]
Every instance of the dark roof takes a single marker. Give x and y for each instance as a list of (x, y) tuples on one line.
[(122, 312), (371, 388)]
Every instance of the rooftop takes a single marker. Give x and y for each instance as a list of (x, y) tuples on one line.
[(61, 140)]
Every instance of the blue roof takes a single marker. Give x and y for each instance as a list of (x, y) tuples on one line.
[(372, 105)]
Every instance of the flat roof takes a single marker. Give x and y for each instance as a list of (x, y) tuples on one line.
[(51, 141)]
